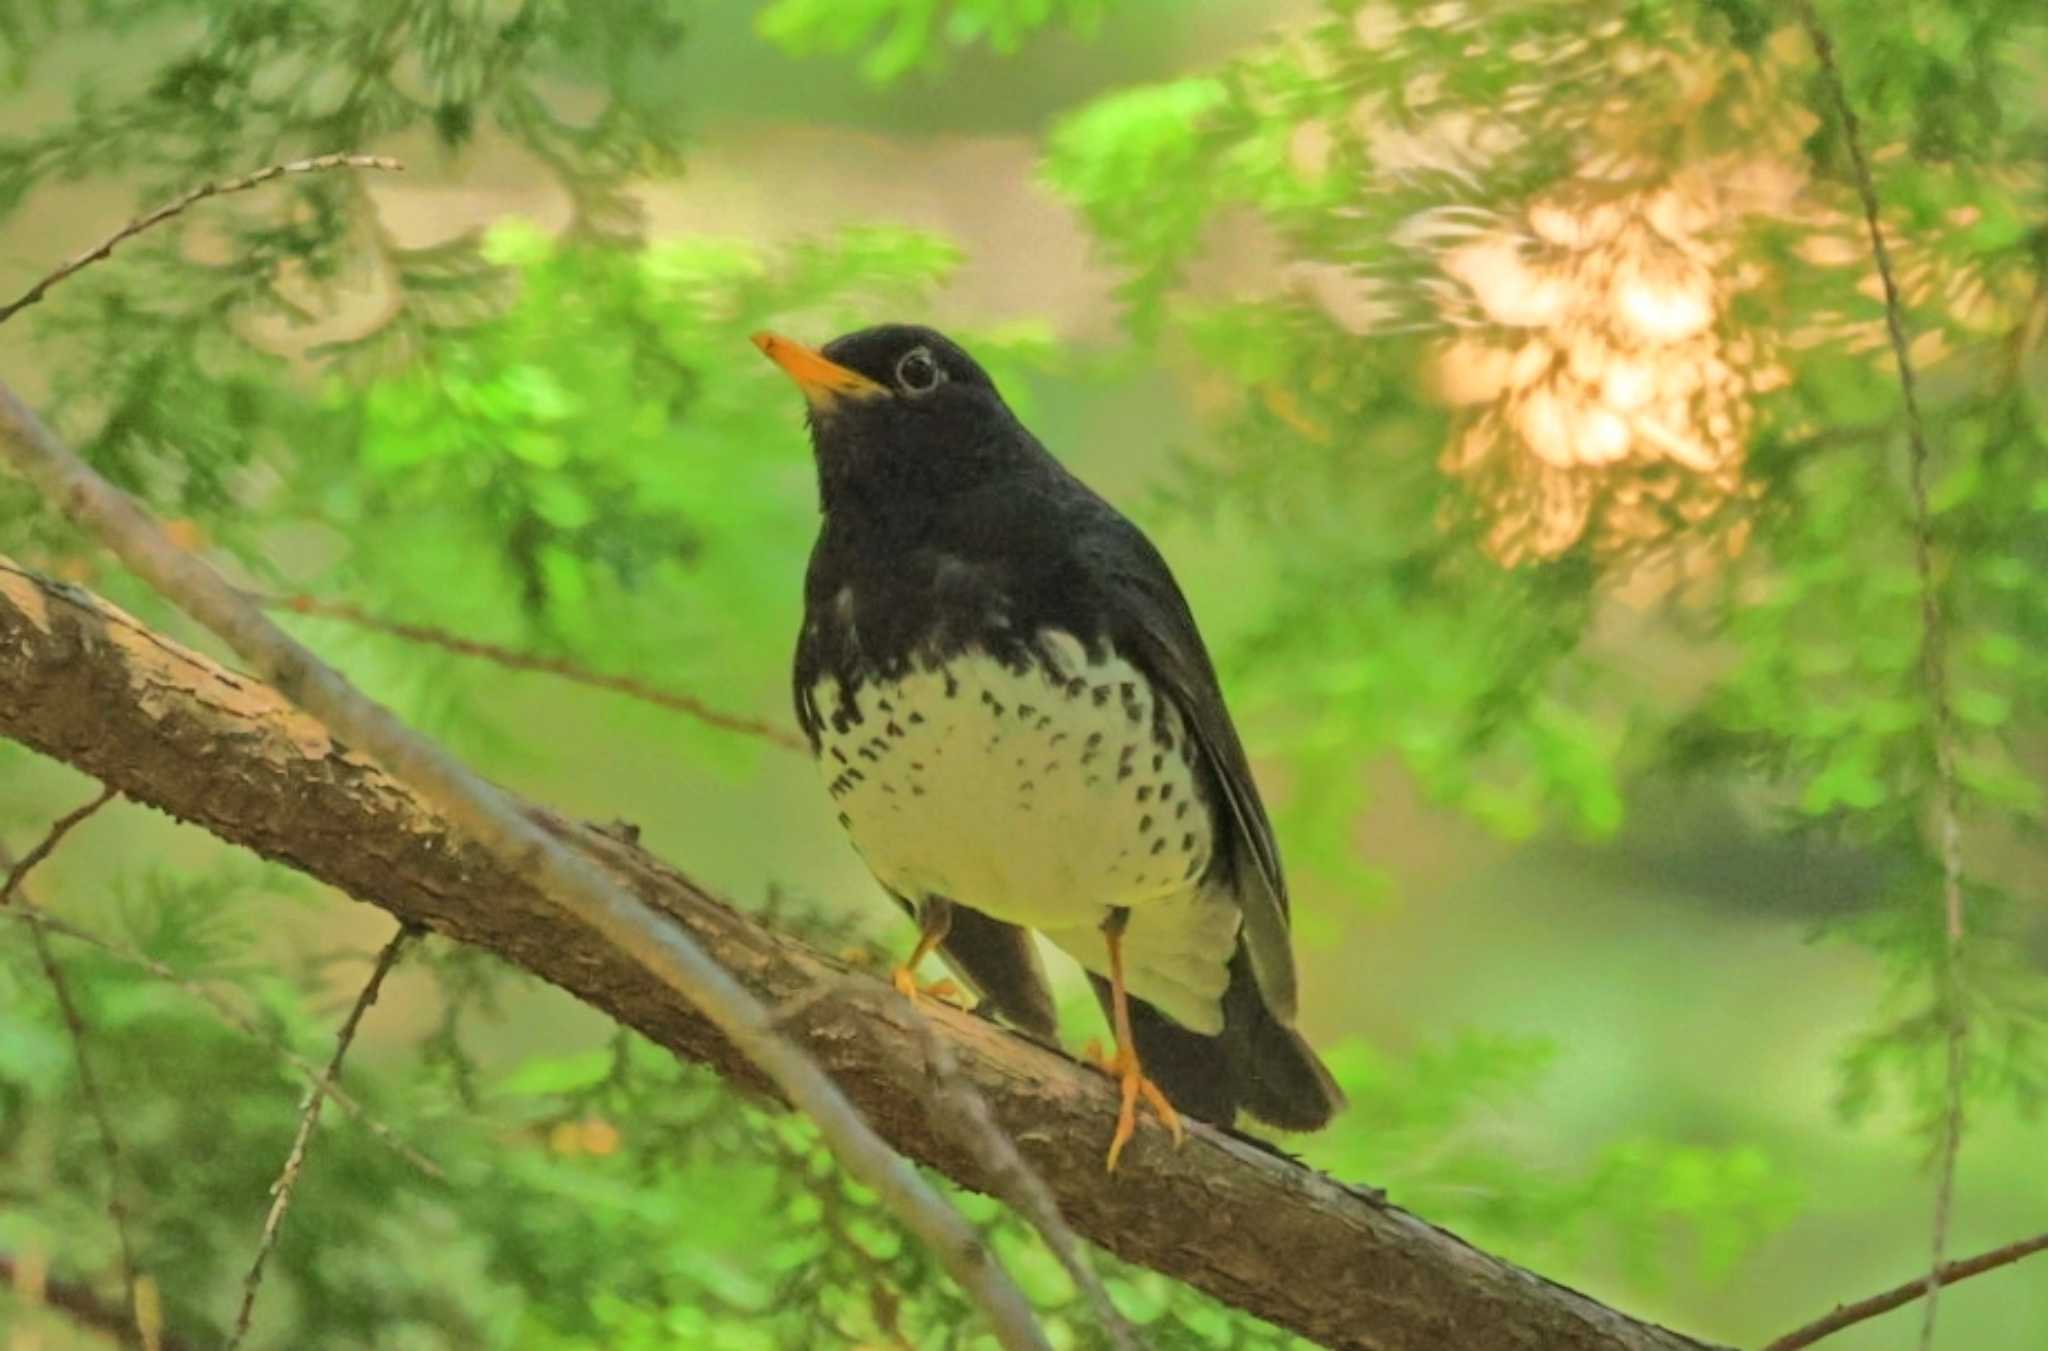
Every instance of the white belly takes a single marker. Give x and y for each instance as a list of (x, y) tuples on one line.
[(1043, 797)]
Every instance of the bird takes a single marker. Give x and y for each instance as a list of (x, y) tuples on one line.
[(1021, 730)]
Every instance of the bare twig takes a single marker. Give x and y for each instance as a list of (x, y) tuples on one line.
[(1847, 1315), (514, 659), (309, 1117), (51, 838), (488, 817), (79, 1302), (74, 1024), (178, 204), (1934, 668), (1017, 1182), (234, 1018)]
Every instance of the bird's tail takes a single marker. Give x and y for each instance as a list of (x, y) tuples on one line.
[(1257, 1065)]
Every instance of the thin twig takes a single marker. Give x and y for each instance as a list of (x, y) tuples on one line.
[(514, 659), (51, 838), (74, 1024), (79, 1301), (572, 880), (309, 1117), (1016, 1181), (1847, 1315), (178, 204), (1934, 670), (234, 1018)]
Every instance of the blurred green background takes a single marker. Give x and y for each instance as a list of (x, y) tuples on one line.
[(1595, 730)]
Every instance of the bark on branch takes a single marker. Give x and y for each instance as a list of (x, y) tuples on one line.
[(87, 684)]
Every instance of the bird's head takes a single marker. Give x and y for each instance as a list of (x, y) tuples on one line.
[(899, 413)]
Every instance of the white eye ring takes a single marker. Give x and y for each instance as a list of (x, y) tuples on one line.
[(918, 373)]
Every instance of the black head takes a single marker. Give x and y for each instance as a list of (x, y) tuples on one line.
[(900, 415)]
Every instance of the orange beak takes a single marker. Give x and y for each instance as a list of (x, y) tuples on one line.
[(823, 382)]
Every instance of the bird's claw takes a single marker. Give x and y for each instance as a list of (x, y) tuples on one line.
[(1130, 1076), (943, 991)]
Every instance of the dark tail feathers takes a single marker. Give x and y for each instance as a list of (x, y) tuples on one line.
[(1258, 1065)]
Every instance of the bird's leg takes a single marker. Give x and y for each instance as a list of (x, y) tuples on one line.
[(1124, 1064), (934, 919)]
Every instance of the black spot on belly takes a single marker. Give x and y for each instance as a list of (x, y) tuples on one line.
[(1027, 711), (893, 729), (1145, 827), (1181, 810), (1158, 845), (839, 755), (952, 685), (1187, 843), (845, 820), (1144, 792), (915, 717), (994, 704), (885, 706)]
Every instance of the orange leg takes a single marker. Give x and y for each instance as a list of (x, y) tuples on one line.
[(1124, 1065), (934, 920)]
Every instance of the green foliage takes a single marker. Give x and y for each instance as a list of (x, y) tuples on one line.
[(564, 442), (900, 36), (1487, 681)]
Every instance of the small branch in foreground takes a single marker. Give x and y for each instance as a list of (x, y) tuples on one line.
[(486, 816), (309, 1117), (51, 839), (77, 1301), (234, 1018), (515, 660), (1933, 664), (179, 204), (1847, 1315), (1017, 1183), (74, 1025)]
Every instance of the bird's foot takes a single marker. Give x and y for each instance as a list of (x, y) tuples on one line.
[(943, 991), (1130, 1075)]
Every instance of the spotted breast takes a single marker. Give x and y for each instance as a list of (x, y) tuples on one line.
[(1042, 789)]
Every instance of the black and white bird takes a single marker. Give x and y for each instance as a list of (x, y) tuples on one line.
[(1020, 729)]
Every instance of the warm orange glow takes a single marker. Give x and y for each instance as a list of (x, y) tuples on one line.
[(1607, 392)]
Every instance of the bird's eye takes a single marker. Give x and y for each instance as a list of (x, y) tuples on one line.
[(917, 373)]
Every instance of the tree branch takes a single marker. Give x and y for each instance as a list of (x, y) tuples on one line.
[(309, 1117), (486, 815), (513, 659), (81, 1054), (1933, 669), (232, 1017), (177, 204), (1848, 1315), (87, 684), (18, 870)]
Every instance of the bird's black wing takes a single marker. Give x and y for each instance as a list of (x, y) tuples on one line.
[(1151, 624)]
